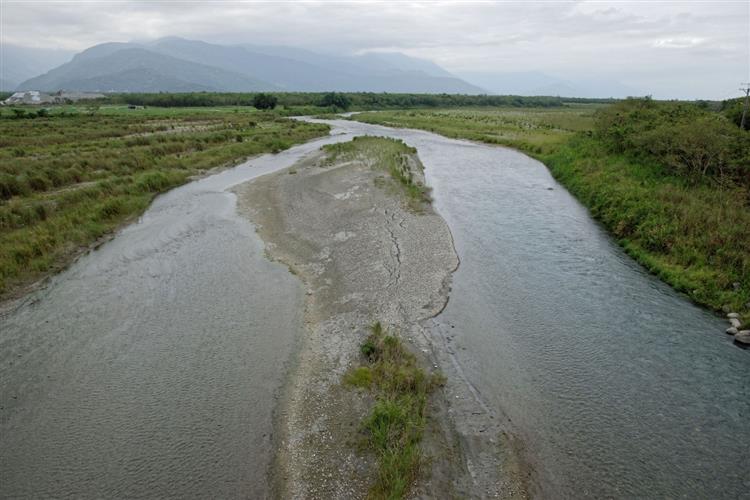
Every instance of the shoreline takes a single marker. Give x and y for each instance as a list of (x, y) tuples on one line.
[(375, 259)]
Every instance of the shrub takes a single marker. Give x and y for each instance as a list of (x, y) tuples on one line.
[(264, 101), (335, 100)]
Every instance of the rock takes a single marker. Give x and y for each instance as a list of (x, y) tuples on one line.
[(735, 322), (736, 285), (743, 337), (733, 315), (732, 330)]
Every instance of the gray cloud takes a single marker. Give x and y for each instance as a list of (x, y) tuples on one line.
[(670, 49)]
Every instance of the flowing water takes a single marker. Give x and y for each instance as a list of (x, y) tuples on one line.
[(620, 386), (151, 367)]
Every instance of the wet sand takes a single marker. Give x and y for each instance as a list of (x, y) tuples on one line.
[(363, 255)]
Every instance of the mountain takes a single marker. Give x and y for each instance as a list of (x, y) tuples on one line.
[(539, 83), (130, 68), (175, 64), (21, 63)]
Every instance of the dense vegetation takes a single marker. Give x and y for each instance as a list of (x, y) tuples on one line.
[(396, 423), (535, 130), (339, 100), (669, 180), (687, 141), (265, 101), (71, 177)]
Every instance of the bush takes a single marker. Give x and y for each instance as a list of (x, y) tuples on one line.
[(335, 100), (264, 101), (687, 140)]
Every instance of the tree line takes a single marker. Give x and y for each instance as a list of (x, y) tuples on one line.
[(339, 100)]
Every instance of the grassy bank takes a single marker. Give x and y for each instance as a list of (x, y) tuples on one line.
[(73, 176), (396, 423), (690, 230), (391, 156), (534, 130)]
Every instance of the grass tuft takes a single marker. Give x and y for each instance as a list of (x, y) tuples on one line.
[(396, 423)]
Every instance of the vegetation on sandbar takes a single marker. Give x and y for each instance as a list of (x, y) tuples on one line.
[(395, 426), (390, 155)]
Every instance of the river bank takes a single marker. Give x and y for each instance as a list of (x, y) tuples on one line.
[(365, 253), (688, 232)]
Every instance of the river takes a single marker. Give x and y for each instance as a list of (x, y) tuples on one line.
[(151, 366)]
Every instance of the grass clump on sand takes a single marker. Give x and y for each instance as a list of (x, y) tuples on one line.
[(71, 176), (391, 155), (396, 423)]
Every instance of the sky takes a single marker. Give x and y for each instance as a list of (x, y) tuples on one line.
[(675, 49)]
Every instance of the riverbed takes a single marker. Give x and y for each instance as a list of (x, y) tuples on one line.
[(619, 386), (153, 365)]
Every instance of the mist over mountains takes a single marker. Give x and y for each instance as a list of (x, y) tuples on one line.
[(175, 64), (179, 65)]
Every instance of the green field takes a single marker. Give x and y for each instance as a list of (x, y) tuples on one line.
[(534, 130), (74, 176), (691, 229)]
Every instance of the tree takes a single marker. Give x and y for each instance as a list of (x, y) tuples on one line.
[(264, 101), (336, 100)]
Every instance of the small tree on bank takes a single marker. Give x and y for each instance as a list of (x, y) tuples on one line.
[(265, 101), (336, 100)]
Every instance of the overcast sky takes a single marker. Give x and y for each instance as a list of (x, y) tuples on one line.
[(670, 49)]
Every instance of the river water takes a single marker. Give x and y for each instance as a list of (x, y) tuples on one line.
[(151, 367), (619, 386)]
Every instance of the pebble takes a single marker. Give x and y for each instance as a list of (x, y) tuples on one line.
[(732, 330)]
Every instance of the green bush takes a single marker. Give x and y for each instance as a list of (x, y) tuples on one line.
[(686, 140)]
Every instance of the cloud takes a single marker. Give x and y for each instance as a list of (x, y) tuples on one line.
[(597, 39), (678, 43)]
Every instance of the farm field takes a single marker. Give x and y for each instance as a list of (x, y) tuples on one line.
[(76, 173)]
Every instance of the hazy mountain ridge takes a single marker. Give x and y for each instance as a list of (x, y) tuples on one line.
[(530, 83), (178, 65)]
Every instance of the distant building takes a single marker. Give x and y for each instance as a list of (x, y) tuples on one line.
[(29, 97), (60, 97)]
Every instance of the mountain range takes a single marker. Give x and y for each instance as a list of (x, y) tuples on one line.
[(179, 65), (539, 83)]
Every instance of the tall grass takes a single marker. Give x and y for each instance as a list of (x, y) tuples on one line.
[(396, 423), (69, 178)]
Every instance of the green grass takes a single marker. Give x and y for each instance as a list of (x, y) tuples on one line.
[(72, 177), (534, 130), (693, 236), (391, 156), (396, 423)]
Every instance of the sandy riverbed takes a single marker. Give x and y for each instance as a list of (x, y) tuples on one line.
[(346, 231)]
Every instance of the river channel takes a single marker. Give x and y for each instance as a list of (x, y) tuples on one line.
[(152, 366)]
